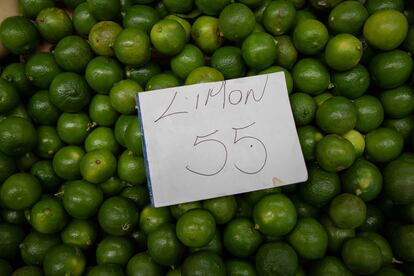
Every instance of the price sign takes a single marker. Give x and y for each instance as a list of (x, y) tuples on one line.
[(221, 138)]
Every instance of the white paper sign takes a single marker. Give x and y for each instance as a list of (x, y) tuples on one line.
[(221, 138)]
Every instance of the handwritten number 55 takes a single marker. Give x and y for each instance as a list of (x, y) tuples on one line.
[(222, 160)]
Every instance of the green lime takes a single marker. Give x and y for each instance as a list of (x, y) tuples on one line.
[(236, 267), (398, 102), (335, 153), (73, 53), (303, 108), (5, 267), (131, 168), (357, 140), (64, 259), (19, 35), (7, 167), (102, 73), (14, 217), (215, 245), (398, 177), (66, 162), (133, 140), (143, 264), (15, 73), (347, 211), (164, 246), (35, 245), (132, 46), (69, 92), (286, 52), (241, 238), (377, 5), (118, 215), (106, 270), (348, 17), (10, 238), (336, 115), (386, 29), (102, 37), (41, 109), (26, 161), (309, 239), (236, 21), (113, 186), (343, 52), (140, 17), (203, 263), (259, 50), (370, 113), (391, 69), (211, 7), (104, 9), (161, 81), (41, 69), (310, 76), (151, 218), (361, 255), (53, 24), (383, 144), (114, 250), (309, 136), (184, 23), (17, 136), (20, 191), (352, 83), (81, 199), (101, 111), (48, 216), (205, 33), (374, 220), (138, 194), (402, 242), (223, 208), (43, 170), (204, 74), (121, 126), (325, 5), (279, 17), (97, 166), (73, 128), (387, 271), (9, 96), (187, 60), (404, 126), (168, 37), (276, 259), (80, 233), (327, 266), (122, 96), (179, 209), (364, 179), (336, 236), (310, 36), (196, 228), (83, 20), (382, 243), (320, 187), (275, 215), (30, 8), (141, 74)]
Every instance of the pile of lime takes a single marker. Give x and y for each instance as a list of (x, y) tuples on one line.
[(73, 194)]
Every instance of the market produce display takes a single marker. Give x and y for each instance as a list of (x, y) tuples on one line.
[(73, 194)]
